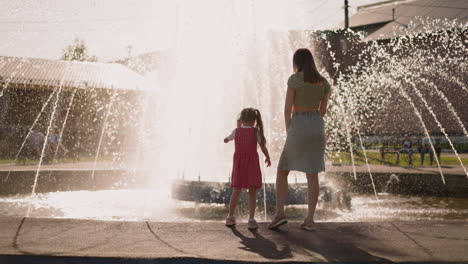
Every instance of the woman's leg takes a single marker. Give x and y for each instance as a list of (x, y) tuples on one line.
[(313, 192), (252, 201), (234, 199), (281, 191)]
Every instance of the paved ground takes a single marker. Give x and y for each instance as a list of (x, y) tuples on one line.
[(85, 241)]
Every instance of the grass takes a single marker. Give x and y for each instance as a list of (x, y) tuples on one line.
[(6, 161), (391, 159)]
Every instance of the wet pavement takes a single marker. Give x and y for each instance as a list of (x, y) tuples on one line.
[(35, 240)]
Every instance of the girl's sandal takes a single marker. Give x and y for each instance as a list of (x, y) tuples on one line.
[(277, 222), (230, 221), (252, 224)]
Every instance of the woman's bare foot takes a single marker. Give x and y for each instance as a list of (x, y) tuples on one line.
[(278, 221), (308, 220), (308, 224)]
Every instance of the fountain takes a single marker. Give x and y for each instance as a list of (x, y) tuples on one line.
[(166, 142)]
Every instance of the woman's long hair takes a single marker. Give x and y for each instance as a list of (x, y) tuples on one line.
[(303, 61)]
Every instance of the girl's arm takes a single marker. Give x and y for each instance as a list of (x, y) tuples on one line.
[(288, 107), (323, 104), (230, 137), (267, 155)]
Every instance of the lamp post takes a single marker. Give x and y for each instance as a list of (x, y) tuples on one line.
[(346, 16), (344, 40)]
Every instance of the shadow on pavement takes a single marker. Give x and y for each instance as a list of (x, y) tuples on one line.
[(22, 259), (328, 245), (262, 246)]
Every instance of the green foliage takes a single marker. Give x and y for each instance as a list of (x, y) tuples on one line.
[(77, 52)]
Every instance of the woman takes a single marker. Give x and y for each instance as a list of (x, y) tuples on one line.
[(306, 100)]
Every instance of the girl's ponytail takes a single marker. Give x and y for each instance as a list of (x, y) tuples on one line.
[(259, 126)]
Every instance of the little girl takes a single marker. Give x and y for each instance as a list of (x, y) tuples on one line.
[(246, 172)]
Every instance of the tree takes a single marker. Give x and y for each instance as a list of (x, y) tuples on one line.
[(77, 52)]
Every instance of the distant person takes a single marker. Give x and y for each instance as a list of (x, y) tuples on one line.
[(407, 148), (426, 148), (14, 141), (246, 173), (305, 106), (35, 142), (55, 145), (438, 148)]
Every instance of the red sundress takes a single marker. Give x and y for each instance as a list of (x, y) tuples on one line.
[(246, 165)]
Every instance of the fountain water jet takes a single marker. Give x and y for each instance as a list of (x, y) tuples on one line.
[(31, 128), (440, 126), (455, 80), (448, 104), (229, 56), (51, 120), (103, 130), (11, 76), (426, 132), (367, 161), (72, 97), (348, 135)]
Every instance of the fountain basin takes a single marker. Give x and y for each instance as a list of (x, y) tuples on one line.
[(220, 193), (419, 184), (18, 179)]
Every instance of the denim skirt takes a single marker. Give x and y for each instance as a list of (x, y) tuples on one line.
[(305, 144)]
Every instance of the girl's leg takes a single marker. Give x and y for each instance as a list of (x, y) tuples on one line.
[(234, 199), (313, 192), (252, 201), (281, 192)]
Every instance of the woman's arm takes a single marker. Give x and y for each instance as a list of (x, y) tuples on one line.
[(323, 104), (288, 107)]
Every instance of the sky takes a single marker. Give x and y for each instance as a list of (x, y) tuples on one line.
[(113, 29)]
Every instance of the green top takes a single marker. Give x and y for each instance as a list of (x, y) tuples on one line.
[(307, 94)]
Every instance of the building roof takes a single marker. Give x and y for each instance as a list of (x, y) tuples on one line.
[(71, 74), (393, 18)]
